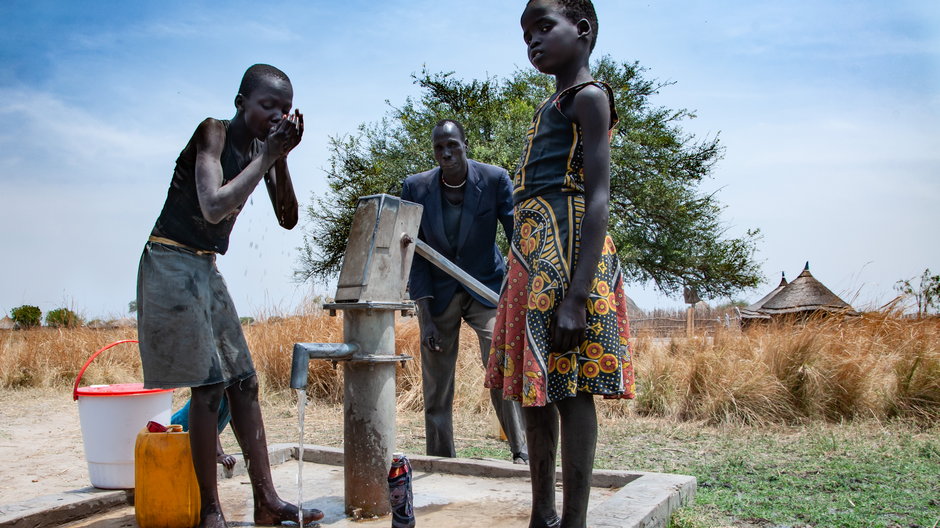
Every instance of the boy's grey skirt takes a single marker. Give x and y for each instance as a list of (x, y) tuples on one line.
[(187, 326)]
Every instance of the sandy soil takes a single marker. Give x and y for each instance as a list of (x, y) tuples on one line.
[(42, 453), (41, 449)]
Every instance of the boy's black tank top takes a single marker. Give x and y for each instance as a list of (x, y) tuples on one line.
[(181, 219)]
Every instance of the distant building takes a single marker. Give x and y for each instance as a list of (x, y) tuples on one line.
[(802, 298), (124, 322), (753, 311), (6, 323), (633, 311)]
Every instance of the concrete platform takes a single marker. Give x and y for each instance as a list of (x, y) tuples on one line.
[(448, 492)]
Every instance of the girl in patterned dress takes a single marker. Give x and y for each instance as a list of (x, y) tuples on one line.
[(561, 328)]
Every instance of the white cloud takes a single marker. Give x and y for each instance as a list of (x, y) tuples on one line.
[(56, 141), (805, 95)]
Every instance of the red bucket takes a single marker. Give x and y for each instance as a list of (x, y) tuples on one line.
[(111, 416)]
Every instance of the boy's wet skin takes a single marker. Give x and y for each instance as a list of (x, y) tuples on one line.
[(223, 164), (261, 115), (266, 107), (264, 116)]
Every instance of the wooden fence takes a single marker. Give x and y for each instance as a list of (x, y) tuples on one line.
[(664, 323)]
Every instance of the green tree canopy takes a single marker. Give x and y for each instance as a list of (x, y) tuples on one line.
[(63, 318), (26, 316), (667, 231)]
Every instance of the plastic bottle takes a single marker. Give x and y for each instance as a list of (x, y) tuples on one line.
[(166, 494), (399, 492)]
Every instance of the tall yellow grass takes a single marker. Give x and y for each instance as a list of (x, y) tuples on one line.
[(877, 366)]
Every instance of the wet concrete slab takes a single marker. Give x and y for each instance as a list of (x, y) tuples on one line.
[(447, 492)]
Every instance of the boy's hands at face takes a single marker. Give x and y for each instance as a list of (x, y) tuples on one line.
[(286, 135), (298, 120)]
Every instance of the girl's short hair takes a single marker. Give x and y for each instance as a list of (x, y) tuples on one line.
[(575, 10)]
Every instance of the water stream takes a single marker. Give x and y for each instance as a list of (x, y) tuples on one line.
[(301, 407)]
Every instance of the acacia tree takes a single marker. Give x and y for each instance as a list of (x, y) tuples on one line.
[(667, 231), (926, 294)]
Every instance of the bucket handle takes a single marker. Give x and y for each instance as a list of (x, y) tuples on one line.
[(93, 356)]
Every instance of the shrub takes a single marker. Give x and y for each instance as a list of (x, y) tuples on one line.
[(63, 318), (26, 316)]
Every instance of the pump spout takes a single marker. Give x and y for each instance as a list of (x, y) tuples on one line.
[(304, 352)]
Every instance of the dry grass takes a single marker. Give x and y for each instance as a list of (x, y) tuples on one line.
[(877, 366), (52, 357)]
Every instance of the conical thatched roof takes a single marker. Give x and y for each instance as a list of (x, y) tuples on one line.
[(633, 311), (6, 323), (125, 322), (753, 310), (805, 294)]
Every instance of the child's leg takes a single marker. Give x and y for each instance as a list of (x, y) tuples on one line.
[(578, 442), (541, 427), (203, 415), (249, 431)]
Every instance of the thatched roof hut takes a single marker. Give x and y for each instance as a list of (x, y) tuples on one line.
[(6, 323), (805, 295), (753, 311), (633, 311)]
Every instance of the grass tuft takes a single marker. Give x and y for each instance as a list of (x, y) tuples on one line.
[(877, 367)]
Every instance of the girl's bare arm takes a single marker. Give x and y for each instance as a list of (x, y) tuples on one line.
[(591, 110)]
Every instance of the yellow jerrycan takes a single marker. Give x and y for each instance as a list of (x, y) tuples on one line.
[(166, 494)]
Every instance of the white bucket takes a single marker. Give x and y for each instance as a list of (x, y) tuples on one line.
[(111, 416)]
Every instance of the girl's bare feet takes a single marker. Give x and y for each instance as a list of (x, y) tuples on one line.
[(213, 520), (552, 522), (275, 514)]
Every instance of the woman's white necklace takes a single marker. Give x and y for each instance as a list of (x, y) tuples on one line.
[(449, 186)]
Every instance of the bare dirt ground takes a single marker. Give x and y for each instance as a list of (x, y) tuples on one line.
[(41, 449), (42, 453)]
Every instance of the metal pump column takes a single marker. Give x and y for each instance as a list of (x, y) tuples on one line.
[(371, 289)]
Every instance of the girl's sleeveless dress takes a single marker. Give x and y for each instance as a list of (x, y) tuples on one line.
[(548, 192)]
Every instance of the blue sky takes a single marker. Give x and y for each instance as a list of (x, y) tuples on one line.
[(829, 112)]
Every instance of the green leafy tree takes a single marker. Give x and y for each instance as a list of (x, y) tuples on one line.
[(926, 293), (63, 318), (26, 316), (667, 231)]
